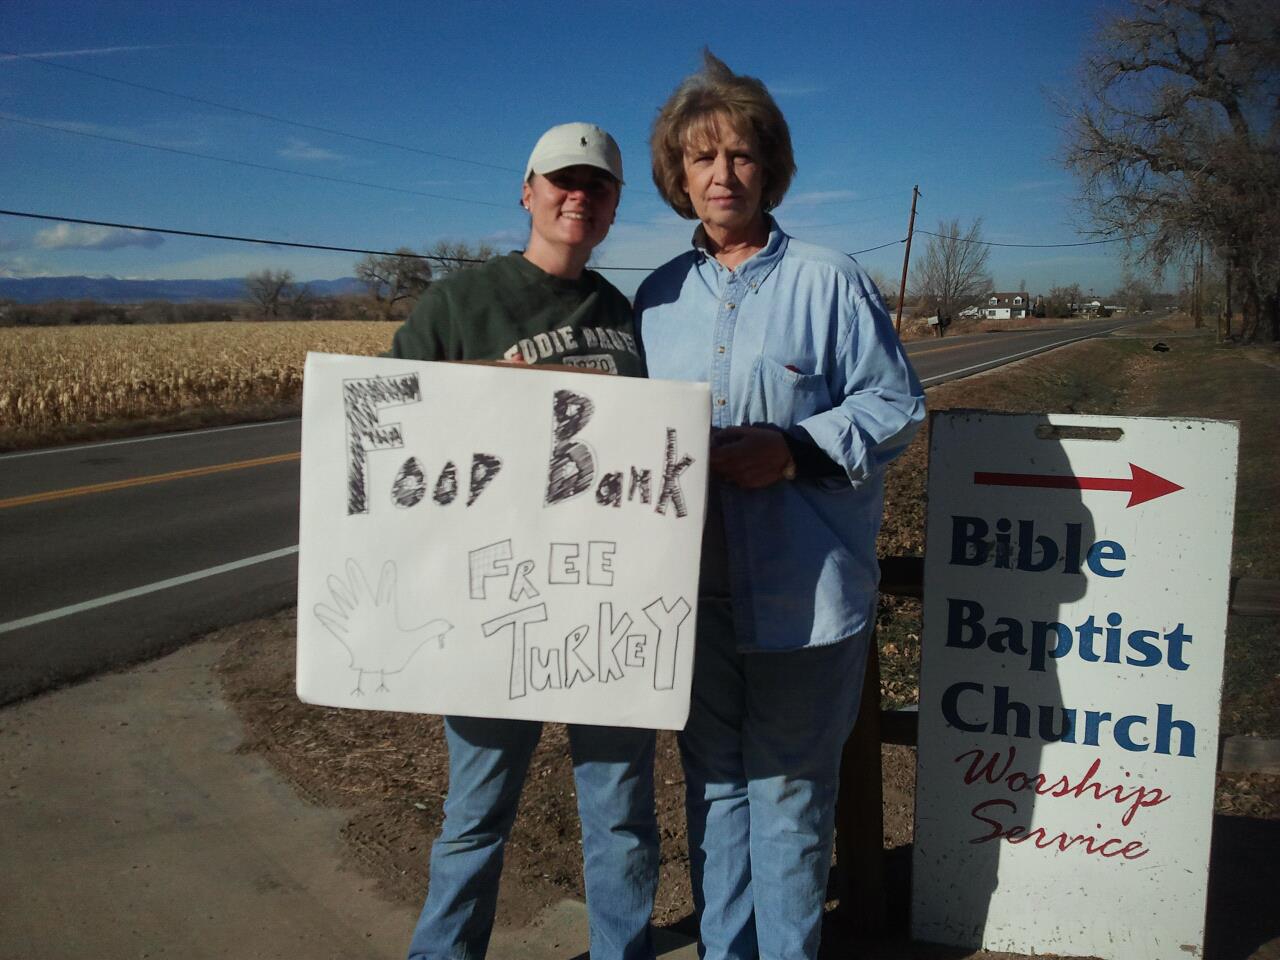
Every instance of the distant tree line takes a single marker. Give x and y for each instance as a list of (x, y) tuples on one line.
[(83, 313), (393, 282), (950, 280), (397, 280)]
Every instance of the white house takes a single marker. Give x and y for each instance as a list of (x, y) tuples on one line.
[(1007, 306)]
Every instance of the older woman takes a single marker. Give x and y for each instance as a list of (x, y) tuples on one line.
[(811, 396), (505, 309)]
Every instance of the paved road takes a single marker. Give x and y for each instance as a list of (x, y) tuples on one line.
[(58, 556), (114, 552), (950, 358)]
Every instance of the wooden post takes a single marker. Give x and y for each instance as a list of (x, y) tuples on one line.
[(1199, 286), (860, 814), (1225, 330), (906, 259)]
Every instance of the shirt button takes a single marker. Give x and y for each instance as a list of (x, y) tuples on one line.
[(720, 401), (730, 305), (720, 349)]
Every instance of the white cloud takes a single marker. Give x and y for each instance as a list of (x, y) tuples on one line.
[(641, 245), (237, 260), (17, 268), (822, 196), (504, 240), (83, 236), (815, 219), (301, 150)]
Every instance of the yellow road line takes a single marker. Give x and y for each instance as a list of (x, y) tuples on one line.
[(143, 481), (948, 348), (960, 346)]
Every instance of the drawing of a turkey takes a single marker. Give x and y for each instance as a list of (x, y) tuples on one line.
[(367, 624)]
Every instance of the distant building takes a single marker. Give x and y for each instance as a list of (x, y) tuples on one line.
[(1007, 306)]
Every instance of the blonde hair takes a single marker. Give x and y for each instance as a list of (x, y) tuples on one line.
[(692, 116)]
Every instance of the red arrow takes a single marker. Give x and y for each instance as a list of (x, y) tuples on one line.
[(1142, 486)]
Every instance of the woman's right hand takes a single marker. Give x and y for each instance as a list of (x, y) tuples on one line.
[(750, 457)]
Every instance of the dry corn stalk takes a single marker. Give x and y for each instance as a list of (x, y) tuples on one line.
[(57, 376)]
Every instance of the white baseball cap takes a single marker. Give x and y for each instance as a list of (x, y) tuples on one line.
[(571, 144)]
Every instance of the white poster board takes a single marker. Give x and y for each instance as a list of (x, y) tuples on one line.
[(499, 542), (1076, 587)]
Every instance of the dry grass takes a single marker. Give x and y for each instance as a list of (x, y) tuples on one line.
[(61, 379), (1123, 376)]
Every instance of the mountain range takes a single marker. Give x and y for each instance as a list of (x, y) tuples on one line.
[(111, 290)]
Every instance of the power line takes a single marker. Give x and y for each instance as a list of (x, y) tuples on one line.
[(224, 236), (291, 243), (270, 243), (315, 128), (249, 163), (1035, 246), (333, 248), (881, 247)]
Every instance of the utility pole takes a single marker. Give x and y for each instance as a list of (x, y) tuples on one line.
[(906, 259)]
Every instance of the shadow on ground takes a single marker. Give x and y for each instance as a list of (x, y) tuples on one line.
[(1243, 919), (1244, 890)]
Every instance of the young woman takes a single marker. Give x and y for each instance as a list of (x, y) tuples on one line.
[(541, 305)]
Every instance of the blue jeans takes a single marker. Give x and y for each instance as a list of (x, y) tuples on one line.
[(488, 760), (761, 758)]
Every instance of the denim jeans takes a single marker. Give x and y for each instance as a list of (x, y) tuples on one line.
[(761, 756), (488, 760)]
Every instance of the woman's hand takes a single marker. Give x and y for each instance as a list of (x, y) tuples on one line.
[(750, 457)]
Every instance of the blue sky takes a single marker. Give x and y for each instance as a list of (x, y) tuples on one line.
[(954, 96)]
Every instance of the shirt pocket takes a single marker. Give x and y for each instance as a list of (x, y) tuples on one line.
[(784, 397)]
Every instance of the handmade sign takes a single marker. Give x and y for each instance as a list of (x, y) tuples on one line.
[(499, 542), (1076, 583)]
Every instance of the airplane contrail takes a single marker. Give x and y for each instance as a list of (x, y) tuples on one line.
[(96, 51)]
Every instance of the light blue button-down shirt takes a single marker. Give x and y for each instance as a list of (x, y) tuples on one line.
[(798, 337)]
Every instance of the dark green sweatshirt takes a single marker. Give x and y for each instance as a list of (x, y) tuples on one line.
[(508, 308)]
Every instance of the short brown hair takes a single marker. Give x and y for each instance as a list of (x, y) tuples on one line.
[(692, 111)]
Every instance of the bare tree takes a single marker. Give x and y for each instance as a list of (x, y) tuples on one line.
[(268, 290), (952, 274), (887, 286), (1134, 294), (1062, 301), (1174, 138), (450, 257), (302, 302), (393, 278)]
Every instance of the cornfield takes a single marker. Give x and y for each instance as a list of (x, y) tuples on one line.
[(55, 377)]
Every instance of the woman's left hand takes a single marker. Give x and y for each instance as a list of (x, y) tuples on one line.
[(750, 457)]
